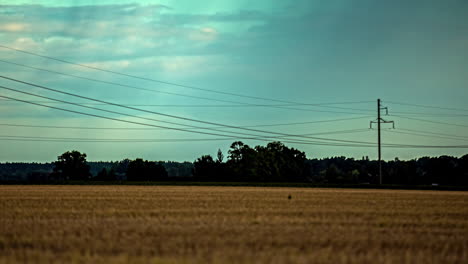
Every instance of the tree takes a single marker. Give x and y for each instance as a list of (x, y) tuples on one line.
[(122, 166), (333, 174), (71, 165), (242, 162), (106, 175), (204, 168), (140, 170), (219, 156), (463, 174)]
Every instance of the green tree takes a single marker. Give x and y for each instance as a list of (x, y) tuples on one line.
[(71, 165)]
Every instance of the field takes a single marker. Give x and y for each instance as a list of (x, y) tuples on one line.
[(150, 224)]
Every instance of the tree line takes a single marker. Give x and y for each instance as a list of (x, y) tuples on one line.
[(274, 162)]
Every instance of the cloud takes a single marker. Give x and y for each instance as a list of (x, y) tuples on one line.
[(13, 27), (111, 32), (196, 19), (336, 36), (337, 50), (204, 34)]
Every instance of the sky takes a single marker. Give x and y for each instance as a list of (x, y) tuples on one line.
[(235, 63)]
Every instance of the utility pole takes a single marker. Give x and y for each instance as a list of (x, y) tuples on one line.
[(379, 121), (379, 139)]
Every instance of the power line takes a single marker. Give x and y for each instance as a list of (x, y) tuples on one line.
[(206, 133), (75, 139), (193, 127), (127, 121), (264, 138), (118, 84), (185, 141), (103, 110), (84, 140), (146, 79), (364, 145), (429, 114), (428, 106), (138, 139), (188, 105), (283, 106), (429, 146), (139, 128), (428, 136), (177, 117), (433, 133), (430, 121), (136, 77), (138, 123)]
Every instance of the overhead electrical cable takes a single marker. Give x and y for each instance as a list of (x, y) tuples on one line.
[(179, 129), (121, 84), (150, 119), (428, 106), (430, 121), (257, 137), (176, 105), (136, 139), (238, 104), (425, 135), (169, 141), (84, 140), (104, 110), (194, 127), (262, 139), (133, 122), (140, 128), (434, 133), (144, 78), (429, 114), (180, 117), (429, 146), (144, 129)]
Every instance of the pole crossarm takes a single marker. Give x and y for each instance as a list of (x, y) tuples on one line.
[(382, 121)]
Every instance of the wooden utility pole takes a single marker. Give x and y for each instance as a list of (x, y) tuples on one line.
[(379, 139), (379, 121)]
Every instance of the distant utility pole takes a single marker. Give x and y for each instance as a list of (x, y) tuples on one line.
[(379, 121)]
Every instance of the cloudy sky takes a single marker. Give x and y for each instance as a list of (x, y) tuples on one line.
[(237, 63)]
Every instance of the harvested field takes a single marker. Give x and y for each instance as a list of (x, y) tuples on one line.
[(150, 224)]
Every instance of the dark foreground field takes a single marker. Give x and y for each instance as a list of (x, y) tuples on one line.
[(149, 224)]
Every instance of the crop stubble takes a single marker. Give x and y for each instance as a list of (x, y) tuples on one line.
[(151, 224)]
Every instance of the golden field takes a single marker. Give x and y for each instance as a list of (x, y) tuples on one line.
[(151, 224)]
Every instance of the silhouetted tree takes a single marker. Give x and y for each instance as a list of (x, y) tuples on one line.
[(276, 162), (71, 165), (122, 166), (106, 175), (271, 163), (242, 162), (140, 170), (463, 171), (219, 156), (204, 168)]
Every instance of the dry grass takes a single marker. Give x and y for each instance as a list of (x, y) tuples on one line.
[(138, 224)]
